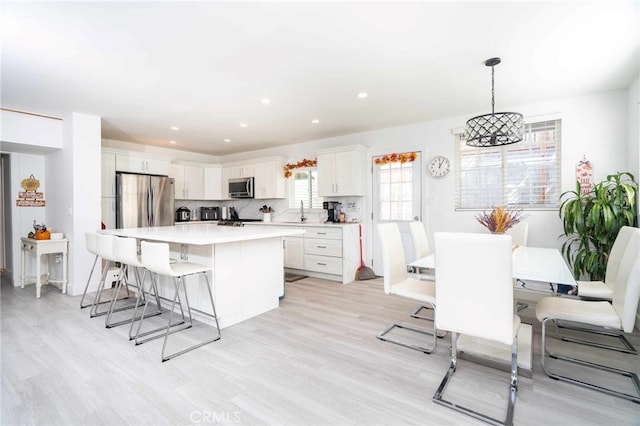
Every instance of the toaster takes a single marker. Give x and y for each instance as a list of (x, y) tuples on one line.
[(209, 213)]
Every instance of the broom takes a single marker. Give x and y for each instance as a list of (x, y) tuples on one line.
[(363, 273)]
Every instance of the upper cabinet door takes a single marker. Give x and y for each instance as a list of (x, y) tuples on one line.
[(189, 181), (341, 173), (269, 180), (326, 175), (213, 183), (139, 164)]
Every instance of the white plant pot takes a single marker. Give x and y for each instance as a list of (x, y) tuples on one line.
[(266, 217)]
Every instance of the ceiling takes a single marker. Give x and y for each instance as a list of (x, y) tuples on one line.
[(204, 67)]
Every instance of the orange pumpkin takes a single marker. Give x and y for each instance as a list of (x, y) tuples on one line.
[(43, 235)]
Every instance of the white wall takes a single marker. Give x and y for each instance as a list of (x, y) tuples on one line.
[(21, 132), (595, 126), (633, 106), (73, 174)]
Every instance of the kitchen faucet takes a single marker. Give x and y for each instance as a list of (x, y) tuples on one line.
[(302, 218)]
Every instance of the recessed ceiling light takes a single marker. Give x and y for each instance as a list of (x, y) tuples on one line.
[(227, 140), (173, 142), (243, 125), (265, 101), (362, 95), (315, 121), (175, 128)]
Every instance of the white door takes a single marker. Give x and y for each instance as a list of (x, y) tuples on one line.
[(397, 189)]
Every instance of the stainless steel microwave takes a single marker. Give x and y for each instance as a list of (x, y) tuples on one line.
[(241, 187)]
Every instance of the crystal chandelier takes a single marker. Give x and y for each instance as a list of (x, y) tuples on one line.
[(497, 128)]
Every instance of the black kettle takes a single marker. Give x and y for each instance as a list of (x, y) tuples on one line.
[(183, 214)]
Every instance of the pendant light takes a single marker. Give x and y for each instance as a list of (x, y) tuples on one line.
[(497, 128)]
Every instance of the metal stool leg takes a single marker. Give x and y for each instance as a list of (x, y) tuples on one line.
[(179, 282)]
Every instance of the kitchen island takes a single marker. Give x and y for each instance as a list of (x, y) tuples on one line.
[(248, 270)]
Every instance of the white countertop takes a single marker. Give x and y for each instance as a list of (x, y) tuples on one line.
[(300, 224), (204, 233)]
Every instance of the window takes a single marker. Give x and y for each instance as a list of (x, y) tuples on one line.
[(398, 190), (303, 186), (522, 175)]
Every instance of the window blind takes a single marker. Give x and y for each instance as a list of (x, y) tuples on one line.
[(522, 175), (304, 187)]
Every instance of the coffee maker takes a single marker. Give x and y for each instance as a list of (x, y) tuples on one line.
[(333, 209)]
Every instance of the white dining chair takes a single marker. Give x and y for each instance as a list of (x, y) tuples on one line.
[(600, 316), (519, 233), (397, 282), (603, 290), (420, 249), (474, 288)]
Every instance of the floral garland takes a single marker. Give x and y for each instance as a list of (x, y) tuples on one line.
[(396, 158), (302, 163)]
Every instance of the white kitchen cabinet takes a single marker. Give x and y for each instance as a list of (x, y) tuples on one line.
[(108, 161), (109, 212), (189, 181), (213, 183), (269, 180), (342, 173), (139, 164), (245, 170), (293, 252), (327, 251)]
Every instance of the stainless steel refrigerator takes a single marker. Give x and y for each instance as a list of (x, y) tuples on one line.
[(144, 200)]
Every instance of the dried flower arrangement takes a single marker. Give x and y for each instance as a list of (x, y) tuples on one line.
[(302, 163), (500, 219), (406, 157)]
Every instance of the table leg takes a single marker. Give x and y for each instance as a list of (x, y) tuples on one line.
[(38, 284), (64, 272), (24, 255)]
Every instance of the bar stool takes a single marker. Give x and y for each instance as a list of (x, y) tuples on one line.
[(105, 249), (156, 258), (125, 251)]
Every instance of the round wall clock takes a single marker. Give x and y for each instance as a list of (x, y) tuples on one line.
[(439, 166)]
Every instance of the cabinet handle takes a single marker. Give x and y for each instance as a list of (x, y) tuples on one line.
[(322, 264), (336, 187), (322, 233), (321, 246)]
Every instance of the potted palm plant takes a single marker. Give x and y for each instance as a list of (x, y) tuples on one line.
[(591, 222)]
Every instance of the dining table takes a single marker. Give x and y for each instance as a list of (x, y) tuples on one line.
[(539, 264)]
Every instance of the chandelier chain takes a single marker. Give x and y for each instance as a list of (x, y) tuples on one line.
[(493, 101)]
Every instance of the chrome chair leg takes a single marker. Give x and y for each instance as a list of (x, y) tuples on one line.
[(96, 301), (86, 287), (156, 332), (513, 387), (628, 347), (416, 313), (124, 280), (629, 374), (179, 282), (426, 349)]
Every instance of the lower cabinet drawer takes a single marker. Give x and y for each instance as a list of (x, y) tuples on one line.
[(323, 247), (325, 264)]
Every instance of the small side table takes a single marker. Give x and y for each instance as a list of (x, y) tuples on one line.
[(40, 247)]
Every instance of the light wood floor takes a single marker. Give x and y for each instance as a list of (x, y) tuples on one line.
[(313, 361)]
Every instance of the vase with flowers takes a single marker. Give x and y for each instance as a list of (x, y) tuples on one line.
[(500, 219)]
